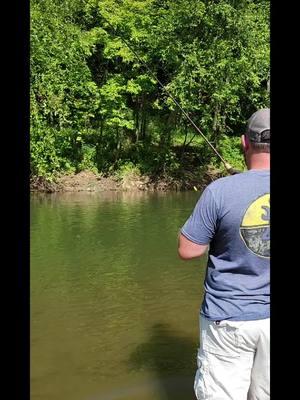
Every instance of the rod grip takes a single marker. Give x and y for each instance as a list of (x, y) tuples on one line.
[(231, 170), (234, 171)]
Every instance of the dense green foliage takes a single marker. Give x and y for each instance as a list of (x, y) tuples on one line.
[(95, 106)]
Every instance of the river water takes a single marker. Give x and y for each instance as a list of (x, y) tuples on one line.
[(114, 311)]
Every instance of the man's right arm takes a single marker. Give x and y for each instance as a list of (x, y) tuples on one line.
[(200, 228), (188, 250)]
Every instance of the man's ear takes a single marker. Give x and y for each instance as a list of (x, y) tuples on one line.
[(245, 142)]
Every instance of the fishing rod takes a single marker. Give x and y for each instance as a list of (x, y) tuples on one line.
[(227, 166)]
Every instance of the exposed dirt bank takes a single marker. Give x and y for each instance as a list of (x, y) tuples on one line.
[(90, 182)]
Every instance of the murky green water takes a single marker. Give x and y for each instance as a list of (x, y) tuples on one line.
[(114, 311)]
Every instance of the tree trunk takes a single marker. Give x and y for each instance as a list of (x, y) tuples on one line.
[(137, 122)]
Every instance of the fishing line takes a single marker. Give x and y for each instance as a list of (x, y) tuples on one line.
[(227, 166)]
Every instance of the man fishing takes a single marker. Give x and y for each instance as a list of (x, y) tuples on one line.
[(232, 220)]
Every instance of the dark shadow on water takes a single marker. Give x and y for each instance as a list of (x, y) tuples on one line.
[(173, 359)]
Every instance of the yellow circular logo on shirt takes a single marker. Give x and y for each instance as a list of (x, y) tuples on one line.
[(255, 227)]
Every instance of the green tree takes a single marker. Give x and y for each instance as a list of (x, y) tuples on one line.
[(94, 104)]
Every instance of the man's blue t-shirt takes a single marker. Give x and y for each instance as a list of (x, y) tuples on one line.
[(233, 217)]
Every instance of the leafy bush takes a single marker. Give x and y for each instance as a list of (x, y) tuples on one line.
[(88, 161), (127, 169), (231, 150)]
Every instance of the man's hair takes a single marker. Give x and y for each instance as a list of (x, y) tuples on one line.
[(260, 147)]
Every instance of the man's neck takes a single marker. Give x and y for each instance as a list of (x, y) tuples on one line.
[(259, 161)]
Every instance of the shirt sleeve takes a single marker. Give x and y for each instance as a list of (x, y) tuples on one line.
[(202, 224)]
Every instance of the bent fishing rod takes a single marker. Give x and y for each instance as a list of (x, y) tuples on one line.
[(228, 167)]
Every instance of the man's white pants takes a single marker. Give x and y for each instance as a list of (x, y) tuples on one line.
[(233, 360)]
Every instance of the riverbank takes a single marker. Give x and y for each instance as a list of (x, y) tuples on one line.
[(88, 181)]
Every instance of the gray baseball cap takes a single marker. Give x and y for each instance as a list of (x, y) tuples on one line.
[(258, 126)]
